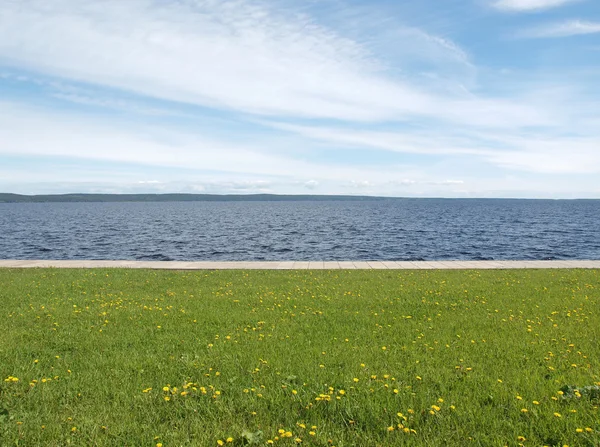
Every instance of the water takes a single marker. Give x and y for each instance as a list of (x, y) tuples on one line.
[(400, 229)]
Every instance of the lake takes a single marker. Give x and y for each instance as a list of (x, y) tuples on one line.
[(395, 229)]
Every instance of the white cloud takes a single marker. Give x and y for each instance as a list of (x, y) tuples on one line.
[(69, 136), (360, 184), (565, 29), (531, 152), (248, 57), (529, 5)]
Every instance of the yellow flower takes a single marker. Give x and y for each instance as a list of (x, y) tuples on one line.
[(524, 410), (219, 442), (390, 428), (579, 430), (535, 402), (230, 439), (521, 438), (159, 444), (355, 379), (558, 415)]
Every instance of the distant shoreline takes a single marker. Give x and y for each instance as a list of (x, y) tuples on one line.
[(183, 197)]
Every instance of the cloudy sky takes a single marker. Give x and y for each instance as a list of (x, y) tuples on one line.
[(452, 98)]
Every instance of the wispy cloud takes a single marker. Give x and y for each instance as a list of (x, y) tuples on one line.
[(524, 151), (248, 57), (564, 29), (529, 5)]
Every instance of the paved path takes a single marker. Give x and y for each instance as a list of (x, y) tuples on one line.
[(310, 265)]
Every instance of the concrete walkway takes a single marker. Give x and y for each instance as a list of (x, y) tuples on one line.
[(303, 265)]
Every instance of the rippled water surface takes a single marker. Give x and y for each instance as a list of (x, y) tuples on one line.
[(399, 229)]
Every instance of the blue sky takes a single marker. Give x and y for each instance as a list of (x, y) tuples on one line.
[(453, 98)]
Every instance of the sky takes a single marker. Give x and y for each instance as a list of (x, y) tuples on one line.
[(405, 98)]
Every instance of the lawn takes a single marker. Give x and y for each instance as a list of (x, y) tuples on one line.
[(117, 357)]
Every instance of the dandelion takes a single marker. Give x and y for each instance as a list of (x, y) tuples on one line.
[(220, 442), (230, 439), (355, 379), (558, 415)]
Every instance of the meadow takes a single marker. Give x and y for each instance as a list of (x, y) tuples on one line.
[(122, 357)]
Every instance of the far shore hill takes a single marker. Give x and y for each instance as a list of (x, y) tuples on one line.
[(184, 197), (19, 198)]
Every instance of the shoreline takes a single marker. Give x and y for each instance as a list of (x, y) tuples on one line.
[(302, 265)]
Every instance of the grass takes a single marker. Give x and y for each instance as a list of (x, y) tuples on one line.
[(318, 358)]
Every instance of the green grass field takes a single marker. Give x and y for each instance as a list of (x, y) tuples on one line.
[(317, 358)]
